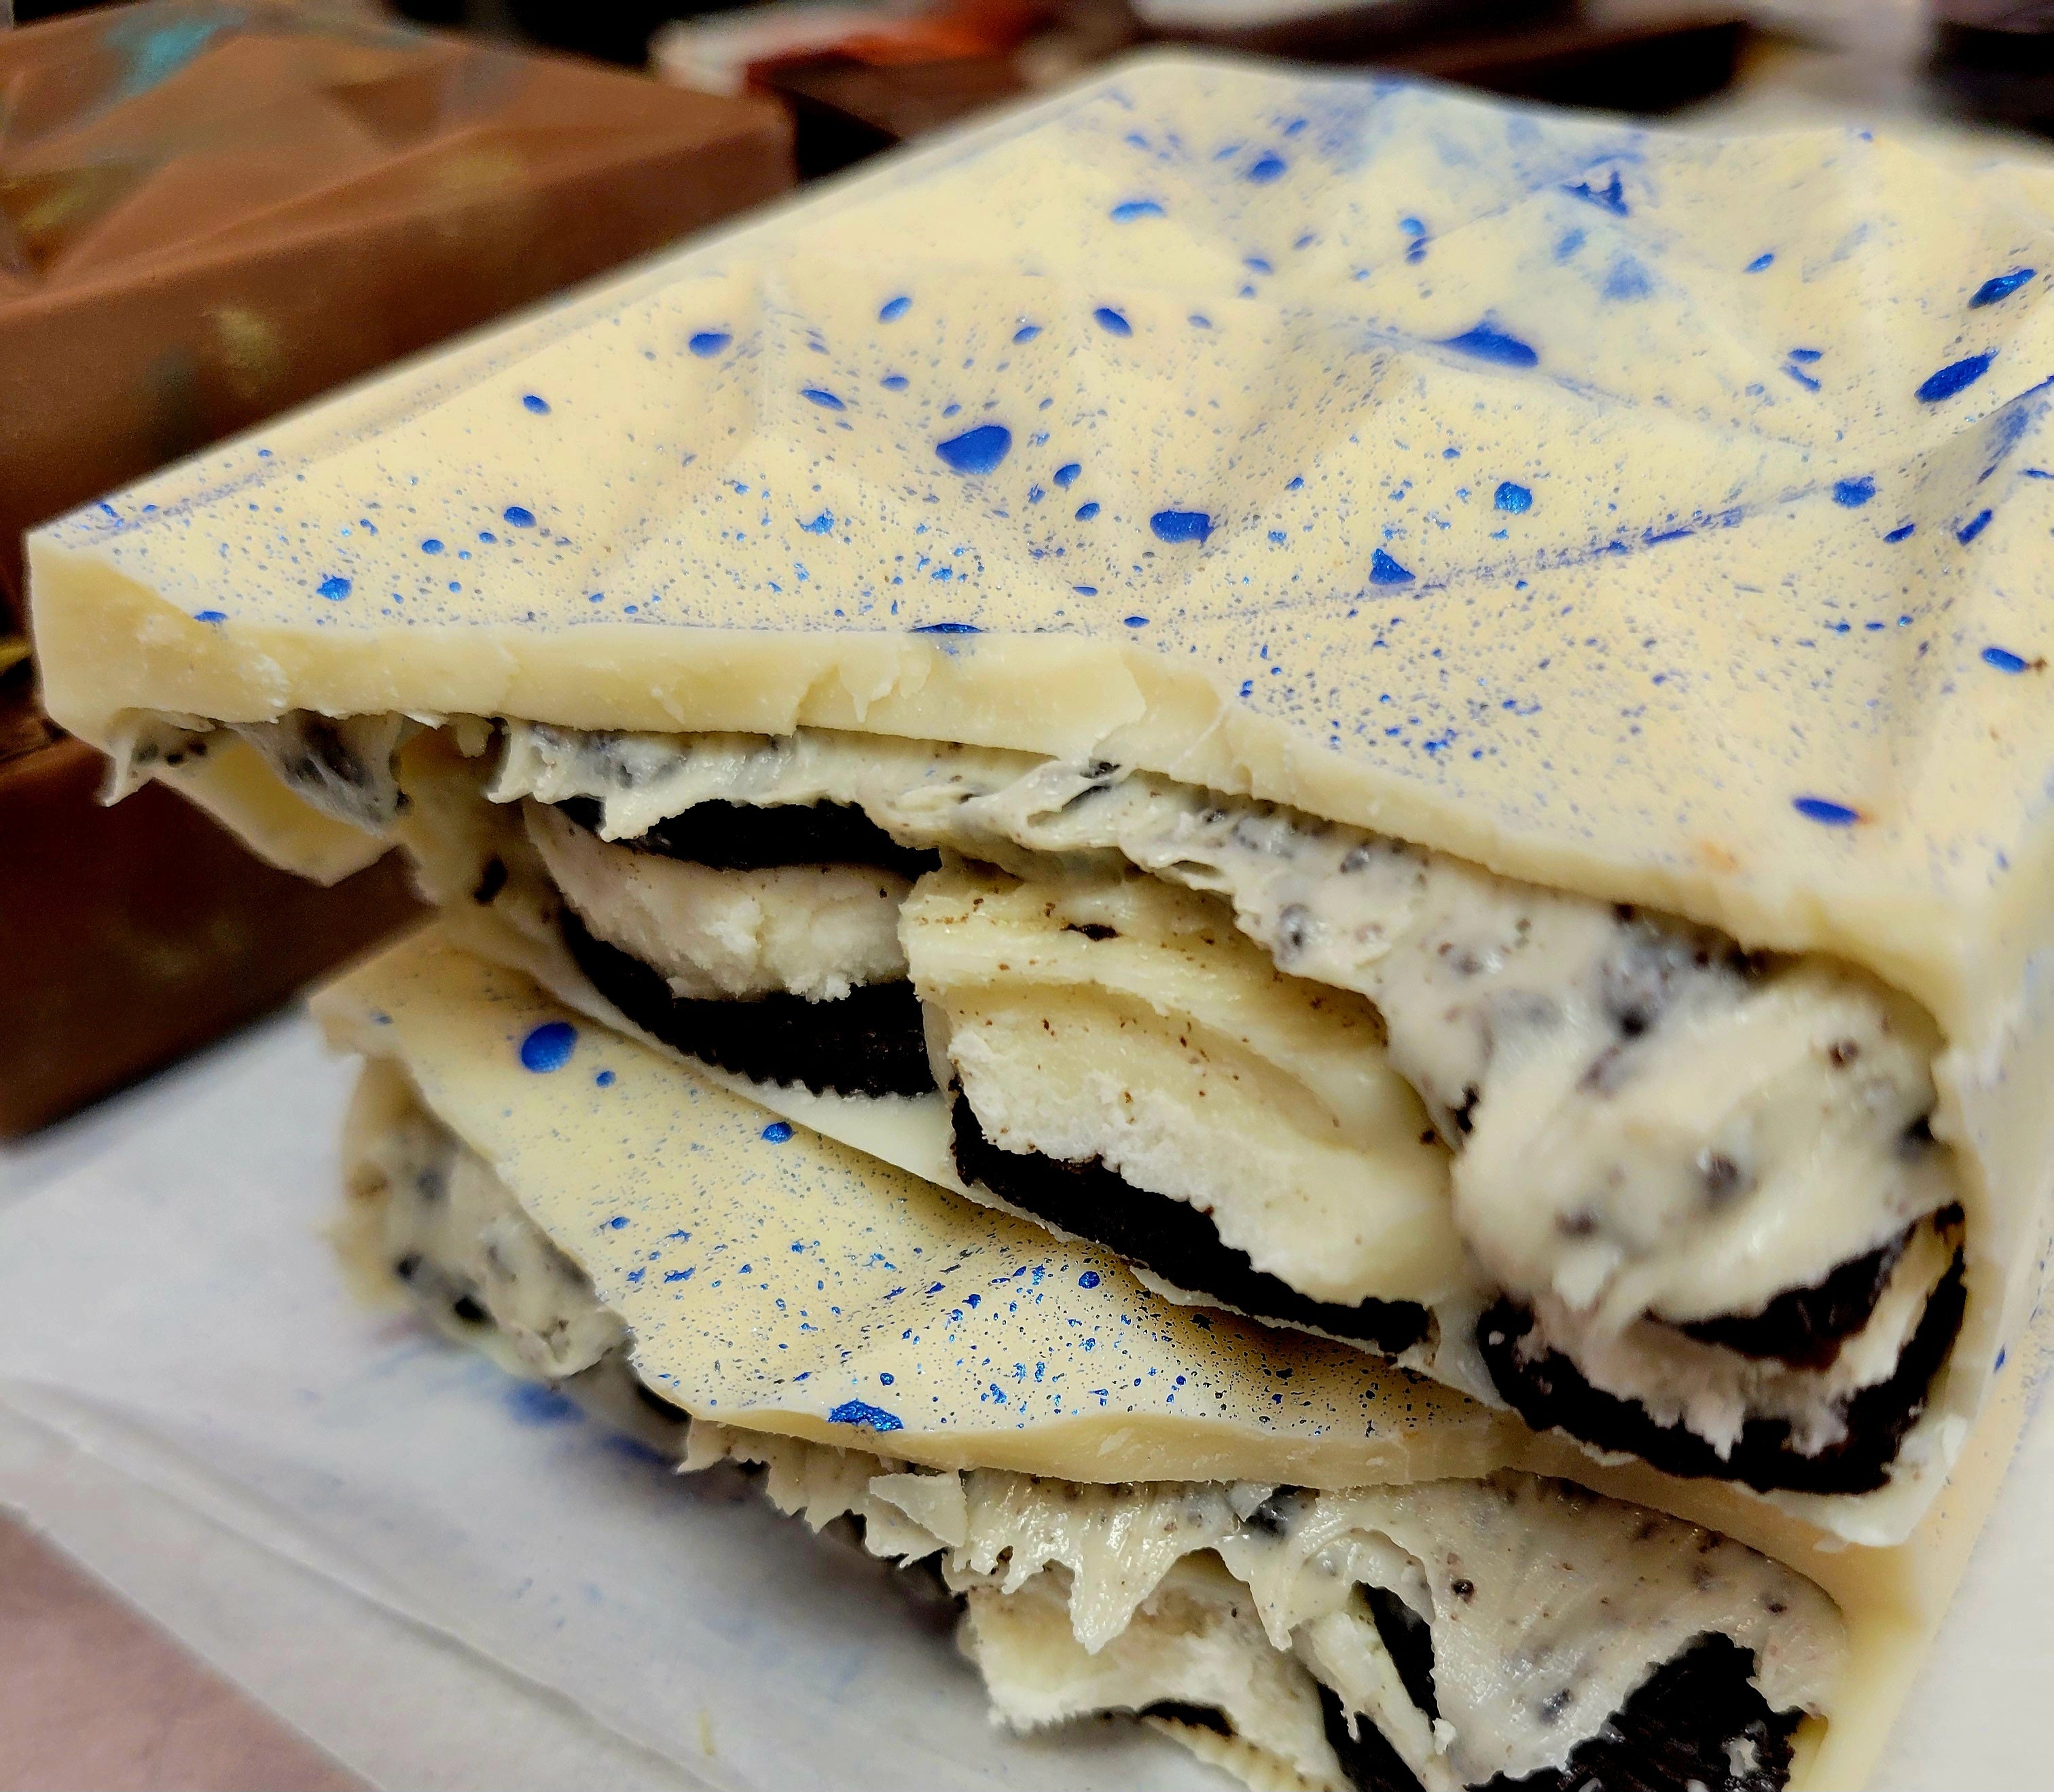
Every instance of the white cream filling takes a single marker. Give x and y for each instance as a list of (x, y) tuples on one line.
[(814, 930)]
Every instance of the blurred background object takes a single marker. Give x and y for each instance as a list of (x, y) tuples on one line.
[(209, 213)]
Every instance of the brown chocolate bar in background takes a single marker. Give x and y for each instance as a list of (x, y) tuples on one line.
[(209, 213)]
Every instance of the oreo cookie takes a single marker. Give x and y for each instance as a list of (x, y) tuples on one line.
[(1550, 1392), (742, 837), (1170, 1237), (872, 1042), (1805, 1327)]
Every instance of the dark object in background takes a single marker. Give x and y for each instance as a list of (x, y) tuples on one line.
[(208, 213), (844, 111), (1996, 58)]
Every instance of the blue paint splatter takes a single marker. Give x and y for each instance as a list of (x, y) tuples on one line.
[(532, 1404), (431, 546), (1487, 343), (1128, 211), (821, 525), (1385, 571), (1852, 494), (1956, 377), (778, 1132), (1266, 168), (536, 403), (893, 309), (519, 515), (1612, 197), (1067, 474), (948, 628), (1974, 527), (2004, 659), (209, 615), (1513, 497), (1180, 525), (1762, 262), (1826, 813), (1135, 622), (1089, 1279), (1902, 532), (1027, 332), (1111, 321), (1992, 291), (857, 1412), (978, 450), (819, 395), (549, 1046), (1086, 512), (708, 343), (334, 588)]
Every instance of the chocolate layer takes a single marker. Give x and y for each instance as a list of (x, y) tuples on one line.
[(870, 1043), (741, 837), (1550, 1393), (1805, 1327), (1169, 1236)]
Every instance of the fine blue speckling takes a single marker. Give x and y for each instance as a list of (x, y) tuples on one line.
[(1973, 528), (334, 588), (2004, 659), (1852, 494), (708, 343), (778, 1132), (209, 615), (1902, 532), (536, 403), (1267, 168), (1992, 291), (549, 1046), (1957, 376), (978, 450), (1766, 259), (858, 1412), (519, 515), (1514, 498), (1179, 525), (1487, 342), (1826, 812), (1112, 322), (893, 309), (1385, 571), (1128, 211), (821, 396)]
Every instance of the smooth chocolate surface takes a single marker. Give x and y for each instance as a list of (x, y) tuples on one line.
[(872, 1042), (742, 837), (1170, 1237)]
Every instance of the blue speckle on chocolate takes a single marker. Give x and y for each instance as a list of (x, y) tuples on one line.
[(2004, 659), (1765, 259), (1852, 494), (893, 309), (1973, 528), (948, 628), (894, 383), (1085, 590), (1112, 322), (822, 397), (1803, 379), (1086, 511), (519, 515), (1067, 474), (707, 343), (1135, 622), (778, 1132), (2001, 287), (1487, 342), (431, 545), (1089, 1279), (1807, 356), (858, 1412), (549, 1046), (1902, 532), (1612, 196), (1027, 332), (334, 588), (978, 450), (1825, 811), (1180, 525), (209, 615), (604, 1079), (1267, 168), (535, 402), (618, 1223), (1513, 497), (1128, 211), (1385, 571), (1956, 376), (821, 525)]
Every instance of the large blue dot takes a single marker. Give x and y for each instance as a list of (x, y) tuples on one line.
[(1852, 494), (708, 343), (334, 588), (1181, 525), (1112, 322), (519, 515), (549, 1046), (819, 395), (1267, 168), (978, 450), (1825, 811), (1955, 377), (1514, 498), (1385, 571)]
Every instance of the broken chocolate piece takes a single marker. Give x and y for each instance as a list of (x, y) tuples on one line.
[(870, 1043), (1170, 1237)]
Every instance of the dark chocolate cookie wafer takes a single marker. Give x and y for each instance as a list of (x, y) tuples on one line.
[(741, 837), (1805, 1327)]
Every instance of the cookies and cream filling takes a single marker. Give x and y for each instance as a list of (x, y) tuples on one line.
[(1465, 1629)]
